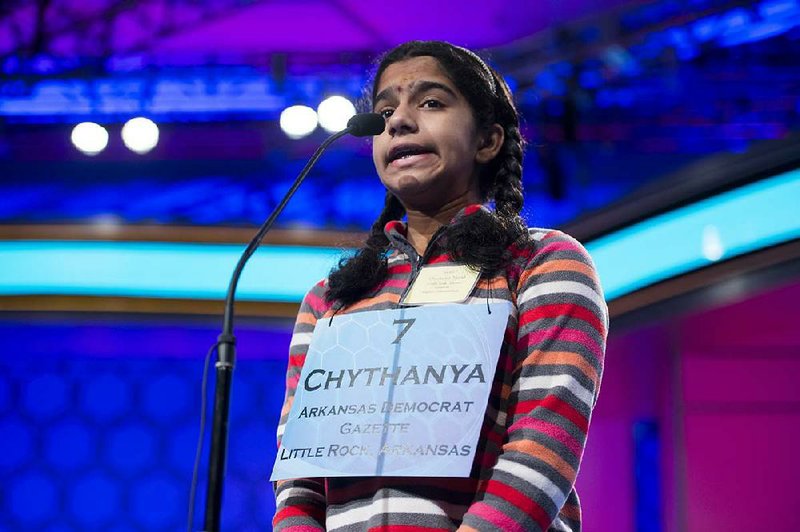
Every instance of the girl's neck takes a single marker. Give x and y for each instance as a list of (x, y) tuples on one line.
[(422, 224)]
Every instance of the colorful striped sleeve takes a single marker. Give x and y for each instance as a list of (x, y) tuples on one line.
[(300, 503), (562, 328)]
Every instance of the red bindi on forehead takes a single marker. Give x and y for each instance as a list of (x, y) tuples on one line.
[(413, 78), (406, 85)]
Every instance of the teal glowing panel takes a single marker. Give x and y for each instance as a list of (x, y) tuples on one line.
[(730, 224), (748, 218), (167, 270)]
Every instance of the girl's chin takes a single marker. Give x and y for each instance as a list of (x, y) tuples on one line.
[(408, 187), (423, 193)]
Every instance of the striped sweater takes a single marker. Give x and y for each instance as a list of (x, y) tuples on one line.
[(535, 426)]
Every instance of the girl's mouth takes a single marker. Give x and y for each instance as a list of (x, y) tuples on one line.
[(410, 160), (405, 155)]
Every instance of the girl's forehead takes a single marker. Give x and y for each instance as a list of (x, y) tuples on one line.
[(403, 74)]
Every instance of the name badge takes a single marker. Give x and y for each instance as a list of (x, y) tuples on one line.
[(400, 392), (442, 284)]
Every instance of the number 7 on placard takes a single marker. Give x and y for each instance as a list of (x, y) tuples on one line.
[(407, 325)]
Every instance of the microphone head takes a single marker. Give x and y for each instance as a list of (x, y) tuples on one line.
[(366, 124)]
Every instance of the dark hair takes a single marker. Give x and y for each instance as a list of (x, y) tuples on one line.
[(480, 240)]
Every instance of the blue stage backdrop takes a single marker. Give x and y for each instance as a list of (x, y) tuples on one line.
[(99, 421)]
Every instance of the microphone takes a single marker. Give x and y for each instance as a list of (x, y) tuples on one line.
[(366, 124), (360, 125)]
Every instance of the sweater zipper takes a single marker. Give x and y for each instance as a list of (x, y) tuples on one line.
[(416, 266)]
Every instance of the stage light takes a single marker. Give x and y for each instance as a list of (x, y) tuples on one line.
[(334, 112), (140, 134), (298, 121), (89, 138)]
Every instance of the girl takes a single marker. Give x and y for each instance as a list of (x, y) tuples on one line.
[(451, 145)]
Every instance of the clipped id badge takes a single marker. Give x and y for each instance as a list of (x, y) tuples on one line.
[(447, 283)]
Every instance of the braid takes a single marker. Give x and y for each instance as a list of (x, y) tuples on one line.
[(392, 210), (506, 187), (482, 240), (506, 190), (362, 272)]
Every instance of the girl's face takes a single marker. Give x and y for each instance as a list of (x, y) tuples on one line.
[(430, 153)]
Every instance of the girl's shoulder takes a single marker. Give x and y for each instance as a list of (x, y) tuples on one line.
[(315, 303), (549, 251), (545, 244)]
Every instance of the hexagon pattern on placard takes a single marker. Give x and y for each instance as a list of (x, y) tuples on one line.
[(369, 341)]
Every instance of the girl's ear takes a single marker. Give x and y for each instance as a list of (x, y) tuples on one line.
[(491, 141)]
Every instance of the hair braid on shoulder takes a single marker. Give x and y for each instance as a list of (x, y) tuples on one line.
[(503, 180), (482, 240), (506, 189), (355, 276)]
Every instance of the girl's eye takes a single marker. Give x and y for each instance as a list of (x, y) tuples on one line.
[(431, 103), (386, 113)]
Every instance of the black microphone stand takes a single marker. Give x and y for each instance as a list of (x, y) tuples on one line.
[(226, 353)]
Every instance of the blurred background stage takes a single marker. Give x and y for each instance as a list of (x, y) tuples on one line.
[(663, 134)]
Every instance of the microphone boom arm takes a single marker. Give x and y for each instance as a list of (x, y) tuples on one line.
[(226, 353)]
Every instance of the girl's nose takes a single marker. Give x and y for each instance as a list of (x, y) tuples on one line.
[(401, 121)]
